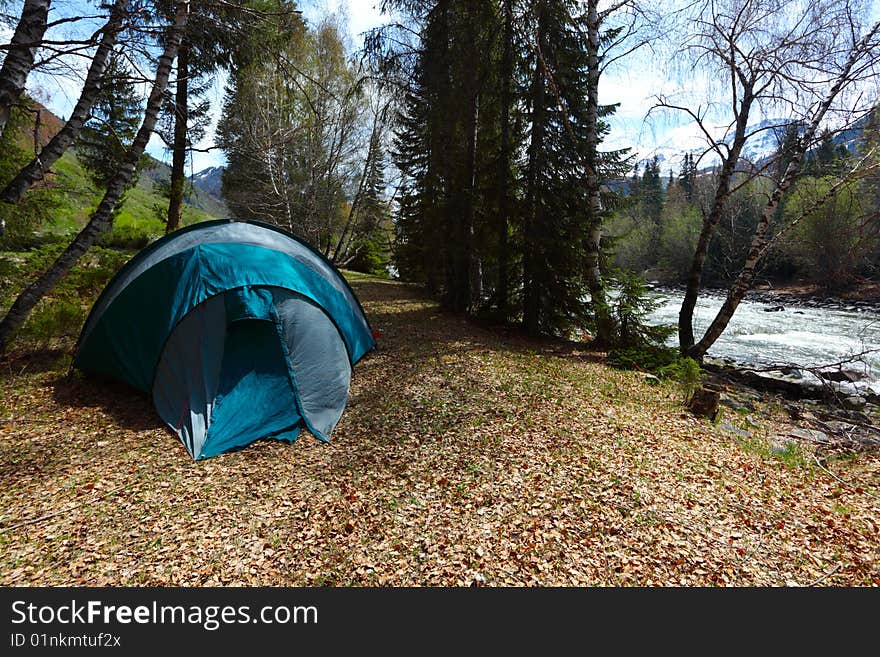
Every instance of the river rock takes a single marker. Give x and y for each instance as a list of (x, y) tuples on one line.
[(736, 405), (735, 431), (840, 375), (855, 403), (856, 416), (781, 444), (810, 435)]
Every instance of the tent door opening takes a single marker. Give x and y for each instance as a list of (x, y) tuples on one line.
[(254, 395)]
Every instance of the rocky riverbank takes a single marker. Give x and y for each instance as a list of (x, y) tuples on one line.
[(790, 299), (832, 412)]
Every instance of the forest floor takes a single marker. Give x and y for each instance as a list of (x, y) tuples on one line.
[(466, 456)]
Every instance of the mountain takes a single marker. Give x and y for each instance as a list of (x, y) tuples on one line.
[(767, 134), (205, 194), (211, 180), (689, 139)]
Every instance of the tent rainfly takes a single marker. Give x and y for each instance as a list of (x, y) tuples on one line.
[(238, 330)]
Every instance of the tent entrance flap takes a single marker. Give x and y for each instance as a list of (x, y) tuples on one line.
[(254, 394)]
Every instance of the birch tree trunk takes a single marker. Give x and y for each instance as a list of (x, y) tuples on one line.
[(746, 276), (604, 321), (710, 223), (36, 169), (20, 55), (102, 218)]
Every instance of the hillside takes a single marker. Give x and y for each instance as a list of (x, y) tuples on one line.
[(204, 193), (467, 456), (144, 204), (141, 213)]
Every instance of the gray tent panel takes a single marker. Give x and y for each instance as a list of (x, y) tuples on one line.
[(191, 377), (318, 359), (187, 376)]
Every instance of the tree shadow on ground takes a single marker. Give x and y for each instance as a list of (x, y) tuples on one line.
[(129, 408), (25, 360), (418, 343), (426, 374)]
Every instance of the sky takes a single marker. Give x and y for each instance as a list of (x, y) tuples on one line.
[(634, 86)]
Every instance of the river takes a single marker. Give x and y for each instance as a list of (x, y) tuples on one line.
[(797, 335)]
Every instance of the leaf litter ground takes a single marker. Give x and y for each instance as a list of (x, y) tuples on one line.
[(466, 456)]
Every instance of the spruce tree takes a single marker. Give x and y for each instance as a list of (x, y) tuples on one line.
[(115, 118)]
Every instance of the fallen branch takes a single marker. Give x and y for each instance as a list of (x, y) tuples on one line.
[(825, 576), (842, 481), (34, 521)]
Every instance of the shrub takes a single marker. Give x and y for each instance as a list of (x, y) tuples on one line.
[(631, 309), (664, 362), (54, 319)]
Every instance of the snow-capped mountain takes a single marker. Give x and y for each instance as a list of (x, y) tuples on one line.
[(210, 180), (763, 142), (689, 139)]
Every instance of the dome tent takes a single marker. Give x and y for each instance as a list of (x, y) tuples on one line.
[(238, 330)]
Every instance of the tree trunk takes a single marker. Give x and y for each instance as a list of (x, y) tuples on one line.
[(531, 303), (710, 222), (502, 292), (604, 321), (471, 281), (338, 252), (178, 156), (744, 281), (36, 169), (759, 240), (20, 55), (102, 218)]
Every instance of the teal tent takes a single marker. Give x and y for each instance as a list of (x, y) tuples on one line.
[(238, 330)]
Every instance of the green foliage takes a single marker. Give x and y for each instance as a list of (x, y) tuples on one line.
[(678, 240), (633, 248), (687, 372), (645, 358), (115, 118), (832, 243), (39, 206), (372, 254), (59, 316), (631, 308), (664, 362), (127, 237), (52, 320), (687, 177), (651, 191)]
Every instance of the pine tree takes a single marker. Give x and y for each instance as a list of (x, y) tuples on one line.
[(687, 176), (208, 44), (652, 191), (116, 114), (556, 228), (825, 158)]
